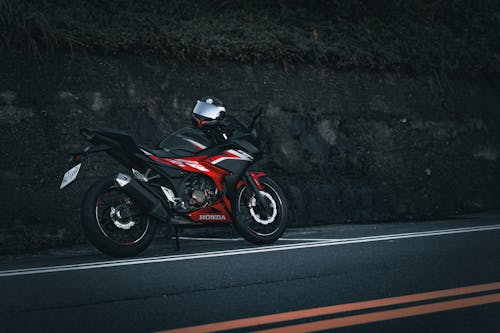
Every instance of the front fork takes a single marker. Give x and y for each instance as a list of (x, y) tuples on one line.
[(253, 181)]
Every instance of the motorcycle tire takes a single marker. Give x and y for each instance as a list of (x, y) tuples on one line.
[(112, 223), (257, 225)]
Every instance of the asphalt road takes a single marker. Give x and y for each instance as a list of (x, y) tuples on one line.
[(441, 276)]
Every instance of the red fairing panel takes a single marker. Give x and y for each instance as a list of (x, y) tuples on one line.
[(196, 164), (230, 154), (200, 164), (190, 164), (216, 213)]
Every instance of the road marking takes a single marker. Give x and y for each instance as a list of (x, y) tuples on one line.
[(335, 309), (373, 317), (241, 238), (243, 251), (210, 239), (309, 239)]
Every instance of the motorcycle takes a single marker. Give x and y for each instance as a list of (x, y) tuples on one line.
[(198, 175)]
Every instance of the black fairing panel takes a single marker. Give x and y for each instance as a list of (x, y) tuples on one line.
[(236, 167), (246, 146), (185, 142)]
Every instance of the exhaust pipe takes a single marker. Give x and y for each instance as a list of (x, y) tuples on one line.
[(144, 198)]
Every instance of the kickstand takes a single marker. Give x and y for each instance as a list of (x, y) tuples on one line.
[(177, 247)]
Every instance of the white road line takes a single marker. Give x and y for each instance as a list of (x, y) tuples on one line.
[(309, 239), (252, 250), (240, 238), (210, 239)]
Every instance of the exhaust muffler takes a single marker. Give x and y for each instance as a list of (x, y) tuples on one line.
[(144, 198)]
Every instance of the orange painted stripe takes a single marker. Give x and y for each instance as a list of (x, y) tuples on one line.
[(327, 310), (386, 315)]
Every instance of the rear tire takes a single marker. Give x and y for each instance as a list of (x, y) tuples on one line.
[(112, 223), (256, 225)]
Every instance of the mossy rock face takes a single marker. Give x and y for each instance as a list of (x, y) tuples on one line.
[(346, 146), (457, 38)]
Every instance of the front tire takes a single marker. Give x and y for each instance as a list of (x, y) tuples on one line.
[(258, 225), (113, 223)]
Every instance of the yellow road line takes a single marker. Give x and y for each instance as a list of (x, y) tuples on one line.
[(334, 309), (386, 315)]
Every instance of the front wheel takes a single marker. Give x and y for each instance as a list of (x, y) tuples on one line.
[(113, 223), (257, 224)]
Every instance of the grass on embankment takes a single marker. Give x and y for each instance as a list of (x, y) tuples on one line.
[(458, 37)]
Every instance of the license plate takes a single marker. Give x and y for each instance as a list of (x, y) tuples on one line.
[(70, 175)]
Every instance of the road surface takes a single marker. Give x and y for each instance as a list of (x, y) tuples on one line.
[(441, 276)]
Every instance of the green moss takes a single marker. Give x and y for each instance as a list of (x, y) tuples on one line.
[(452, 37)]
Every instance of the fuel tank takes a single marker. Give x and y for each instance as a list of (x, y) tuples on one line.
[(185, 141)]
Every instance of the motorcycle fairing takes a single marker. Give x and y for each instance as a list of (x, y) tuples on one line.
[(237, 161), (217, 213), (185, 141), (225, 164), (196, 164)]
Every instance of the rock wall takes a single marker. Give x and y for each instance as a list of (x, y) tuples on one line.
[(345, 146)]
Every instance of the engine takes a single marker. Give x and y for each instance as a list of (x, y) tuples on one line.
[(201, 191)]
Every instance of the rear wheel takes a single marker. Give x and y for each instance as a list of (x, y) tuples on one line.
[(112, 221), (258, 224)]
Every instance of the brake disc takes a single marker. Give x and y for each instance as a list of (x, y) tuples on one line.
[(256, 216), (116, 217)]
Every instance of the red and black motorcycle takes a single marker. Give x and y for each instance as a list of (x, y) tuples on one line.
[(197, 175)]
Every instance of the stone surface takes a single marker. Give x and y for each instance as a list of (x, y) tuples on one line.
[(345, 146)]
